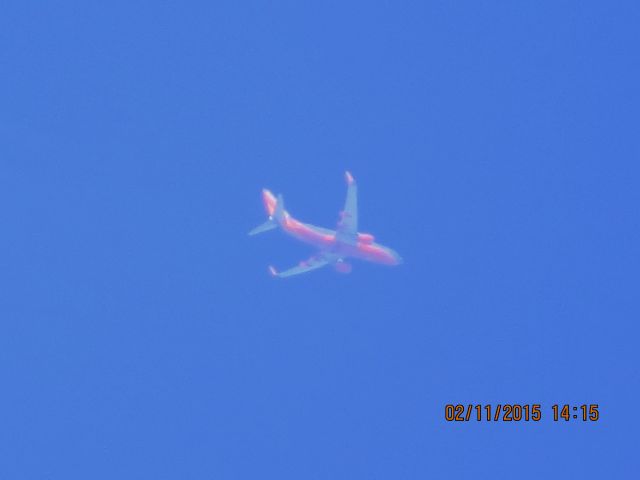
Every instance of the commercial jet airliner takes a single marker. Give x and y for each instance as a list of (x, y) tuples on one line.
[(334, 245)]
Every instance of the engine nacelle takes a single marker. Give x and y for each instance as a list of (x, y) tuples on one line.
[(365, 238), (342, 267)]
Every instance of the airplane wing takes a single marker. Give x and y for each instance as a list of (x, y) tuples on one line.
[(347, 230), (305, 266)]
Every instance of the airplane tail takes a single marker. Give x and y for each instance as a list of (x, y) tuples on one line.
[(270, 224), (275, 209), (279, 213)]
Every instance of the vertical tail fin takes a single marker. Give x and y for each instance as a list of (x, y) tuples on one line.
[(279, 213), (275, 210)]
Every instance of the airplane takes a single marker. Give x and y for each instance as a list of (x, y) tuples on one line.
[(334, 246)]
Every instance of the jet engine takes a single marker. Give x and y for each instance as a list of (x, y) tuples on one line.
[(342, 267), (365, 238)]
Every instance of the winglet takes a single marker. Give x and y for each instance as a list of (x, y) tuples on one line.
[(349, 178), (273, 271)]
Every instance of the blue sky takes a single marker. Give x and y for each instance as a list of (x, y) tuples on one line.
[(495, 145)]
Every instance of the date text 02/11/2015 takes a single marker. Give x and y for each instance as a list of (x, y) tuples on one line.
[(513, 412)]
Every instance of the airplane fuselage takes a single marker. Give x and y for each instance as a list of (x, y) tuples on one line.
[(326, 240)]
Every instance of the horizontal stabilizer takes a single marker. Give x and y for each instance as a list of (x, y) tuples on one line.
[(266, 226)]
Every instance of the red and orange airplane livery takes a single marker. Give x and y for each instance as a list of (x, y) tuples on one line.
[(334, 245)]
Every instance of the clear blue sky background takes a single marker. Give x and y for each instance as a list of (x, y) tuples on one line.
[(496, 148)]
